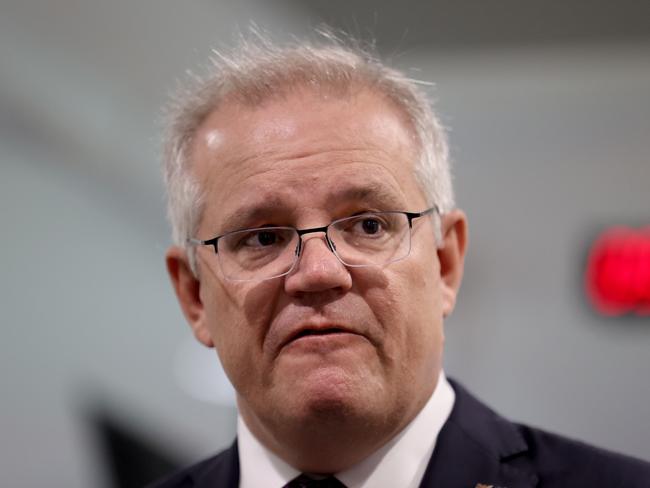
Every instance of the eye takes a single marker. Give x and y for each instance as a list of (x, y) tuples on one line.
[(367, 225), (370, 225), (261, 238), (258, 241)]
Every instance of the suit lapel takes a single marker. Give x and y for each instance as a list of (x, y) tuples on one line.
[(222, 471), (476, 446)]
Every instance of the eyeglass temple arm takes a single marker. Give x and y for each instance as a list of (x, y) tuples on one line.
[(199, 242), (415, 215)]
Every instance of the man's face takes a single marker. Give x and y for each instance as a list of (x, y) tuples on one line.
[(303, 161)]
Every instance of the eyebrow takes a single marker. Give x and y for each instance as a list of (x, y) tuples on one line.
[(372, 193), (271, 205), (268, 206)]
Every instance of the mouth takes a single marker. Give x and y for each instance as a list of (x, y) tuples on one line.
[(319, 332), (319, 335)]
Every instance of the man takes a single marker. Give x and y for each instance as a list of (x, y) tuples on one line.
[(318, 250)]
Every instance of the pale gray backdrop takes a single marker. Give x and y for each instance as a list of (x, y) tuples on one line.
[(550, 133)]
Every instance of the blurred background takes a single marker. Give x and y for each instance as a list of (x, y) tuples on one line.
[(549, 109)]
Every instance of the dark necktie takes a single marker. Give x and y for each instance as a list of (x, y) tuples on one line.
[(303, 481)]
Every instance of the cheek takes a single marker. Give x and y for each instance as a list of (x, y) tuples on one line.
[(229, 332), (410, 314), (238, 317)]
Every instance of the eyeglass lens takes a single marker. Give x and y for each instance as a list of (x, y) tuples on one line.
[(371, 239)]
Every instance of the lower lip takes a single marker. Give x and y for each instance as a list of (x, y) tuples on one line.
[(324, 343)]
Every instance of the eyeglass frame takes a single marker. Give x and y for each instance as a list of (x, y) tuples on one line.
[(324, 229)]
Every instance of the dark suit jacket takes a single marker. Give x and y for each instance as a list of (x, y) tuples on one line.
[(477, 446)]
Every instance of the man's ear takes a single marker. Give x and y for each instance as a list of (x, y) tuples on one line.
[(187, 288), (451, 255)]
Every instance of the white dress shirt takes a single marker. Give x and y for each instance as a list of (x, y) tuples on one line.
[(401, 462)]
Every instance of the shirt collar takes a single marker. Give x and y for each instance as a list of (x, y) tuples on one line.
[(400, 462)]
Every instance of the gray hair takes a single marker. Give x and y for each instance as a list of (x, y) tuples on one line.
[(257, 70)]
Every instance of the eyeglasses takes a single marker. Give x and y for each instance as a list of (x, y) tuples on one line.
[(363, 240)]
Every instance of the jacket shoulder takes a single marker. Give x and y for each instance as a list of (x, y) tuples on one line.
[(561, 461), (507, 453), (222, 468)]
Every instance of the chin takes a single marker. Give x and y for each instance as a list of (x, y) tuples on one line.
[(333, 397)]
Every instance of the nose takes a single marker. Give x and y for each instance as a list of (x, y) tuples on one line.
[(317, 269)]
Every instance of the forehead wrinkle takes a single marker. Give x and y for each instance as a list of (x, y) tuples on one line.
[(273, 161)]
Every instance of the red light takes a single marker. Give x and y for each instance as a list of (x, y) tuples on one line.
[(617, 279)]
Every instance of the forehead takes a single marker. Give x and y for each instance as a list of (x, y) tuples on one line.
[(305, 149)]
